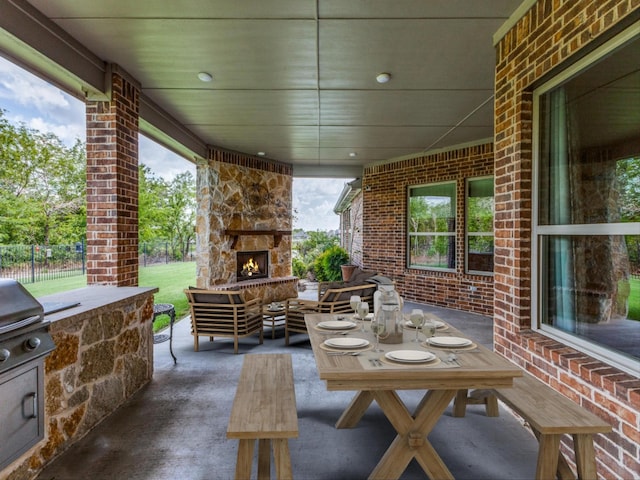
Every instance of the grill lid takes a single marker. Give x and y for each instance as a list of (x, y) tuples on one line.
[(17, 306)]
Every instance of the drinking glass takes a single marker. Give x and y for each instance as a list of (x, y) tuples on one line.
[(377, 327), (417, 319), (428, 328), (363, 311), (354, 301)]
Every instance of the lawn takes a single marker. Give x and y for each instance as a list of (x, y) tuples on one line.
[(170, 279), (634, 300)]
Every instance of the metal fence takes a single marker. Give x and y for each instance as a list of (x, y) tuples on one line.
[(161, 251), (36, 263)]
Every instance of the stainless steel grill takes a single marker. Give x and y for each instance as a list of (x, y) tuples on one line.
[(24, 343)]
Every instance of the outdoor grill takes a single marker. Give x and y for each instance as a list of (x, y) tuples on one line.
[(24, 343)]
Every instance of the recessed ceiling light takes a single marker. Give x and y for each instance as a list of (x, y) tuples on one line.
[(262, 154), (383, 77), (353, 154), (205, 77)]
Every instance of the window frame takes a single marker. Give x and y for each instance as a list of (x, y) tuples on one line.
[(538, 231), (436, 234), (468, 234)]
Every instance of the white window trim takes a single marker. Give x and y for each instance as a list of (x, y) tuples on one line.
[(606, 355)]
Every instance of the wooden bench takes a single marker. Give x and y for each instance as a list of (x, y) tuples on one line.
[(264, 409), (550, 415)]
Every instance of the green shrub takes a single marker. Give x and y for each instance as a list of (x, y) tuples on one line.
[(299, 268), (328, 264)]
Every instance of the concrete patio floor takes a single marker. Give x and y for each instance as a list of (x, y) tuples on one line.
[(175, 427)]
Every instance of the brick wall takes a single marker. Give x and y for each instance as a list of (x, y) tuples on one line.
[(385, 190), (112, 186), (549, 33)]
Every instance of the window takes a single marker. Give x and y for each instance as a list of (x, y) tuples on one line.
[(587, 218), (432, 226), (479, 225)]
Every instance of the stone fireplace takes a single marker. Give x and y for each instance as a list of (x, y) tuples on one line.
[(252, 265), (244, 206)]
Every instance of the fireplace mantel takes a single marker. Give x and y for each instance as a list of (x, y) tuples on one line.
[(277, 235)]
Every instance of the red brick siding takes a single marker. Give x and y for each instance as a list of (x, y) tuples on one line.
[(112, 187), (548, 34), (385, 190)]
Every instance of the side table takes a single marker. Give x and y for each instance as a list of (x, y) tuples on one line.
[(273, 317), (165, 309)]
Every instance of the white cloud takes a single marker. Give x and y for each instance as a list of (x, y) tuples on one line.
[(314, 199), (164, 163)]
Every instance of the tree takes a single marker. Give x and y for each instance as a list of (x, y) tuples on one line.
[(167, 210), (42, 187), (180, 213)]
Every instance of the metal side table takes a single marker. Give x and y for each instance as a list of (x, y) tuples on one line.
[(165, 309)]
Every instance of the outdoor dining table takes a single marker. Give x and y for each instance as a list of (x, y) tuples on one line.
[(374, 377)]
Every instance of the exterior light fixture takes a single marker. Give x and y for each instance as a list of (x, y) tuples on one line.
[(262, 154), (383, 77), (353, 154), (205, 77)]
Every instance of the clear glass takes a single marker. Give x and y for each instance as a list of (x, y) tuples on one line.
[(588, 196), (354, 301), (432, 226), (428, 328), (378, 328), (595, 300), (363, 311), (417, 319), (431, 251), (480, 214)]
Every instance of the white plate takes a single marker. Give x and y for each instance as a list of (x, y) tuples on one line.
[(450, 341), (368, 317), (438, 323), (410, 356), (337, 325), (344, 342)]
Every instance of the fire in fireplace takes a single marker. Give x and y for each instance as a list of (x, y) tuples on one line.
[(252, 265)]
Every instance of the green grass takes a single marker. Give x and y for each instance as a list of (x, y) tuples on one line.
[(170, 279), (634, 300)]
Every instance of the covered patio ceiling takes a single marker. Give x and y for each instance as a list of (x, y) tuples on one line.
[(295, 79)]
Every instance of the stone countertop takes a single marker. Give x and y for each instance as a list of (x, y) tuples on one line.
[(92, 298)]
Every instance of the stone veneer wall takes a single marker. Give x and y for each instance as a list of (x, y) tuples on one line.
[(385, 228), (241, 192), (548, 34), (102, 357)]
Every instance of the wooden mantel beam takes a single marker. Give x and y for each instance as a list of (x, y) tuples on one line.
[(277, 235)]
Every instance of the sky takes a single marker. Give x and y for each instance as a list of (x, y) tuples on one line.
[(27, 99)]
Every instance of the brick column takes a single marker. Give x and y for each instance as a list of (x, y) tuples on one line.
[(112, 185)]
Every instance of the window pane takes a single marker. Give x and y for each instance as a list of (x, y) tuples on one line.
[(480, 254), (480, 205), (588, 177), (432, 251), (588, 144), (591, 288), (432, 208)]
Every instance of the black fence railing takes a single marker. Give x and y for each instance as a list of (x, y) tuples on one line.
[(36, 263), (161, 251)]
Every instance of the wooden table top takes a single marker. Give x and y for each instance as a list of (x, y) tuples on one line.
[(477, 368)]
